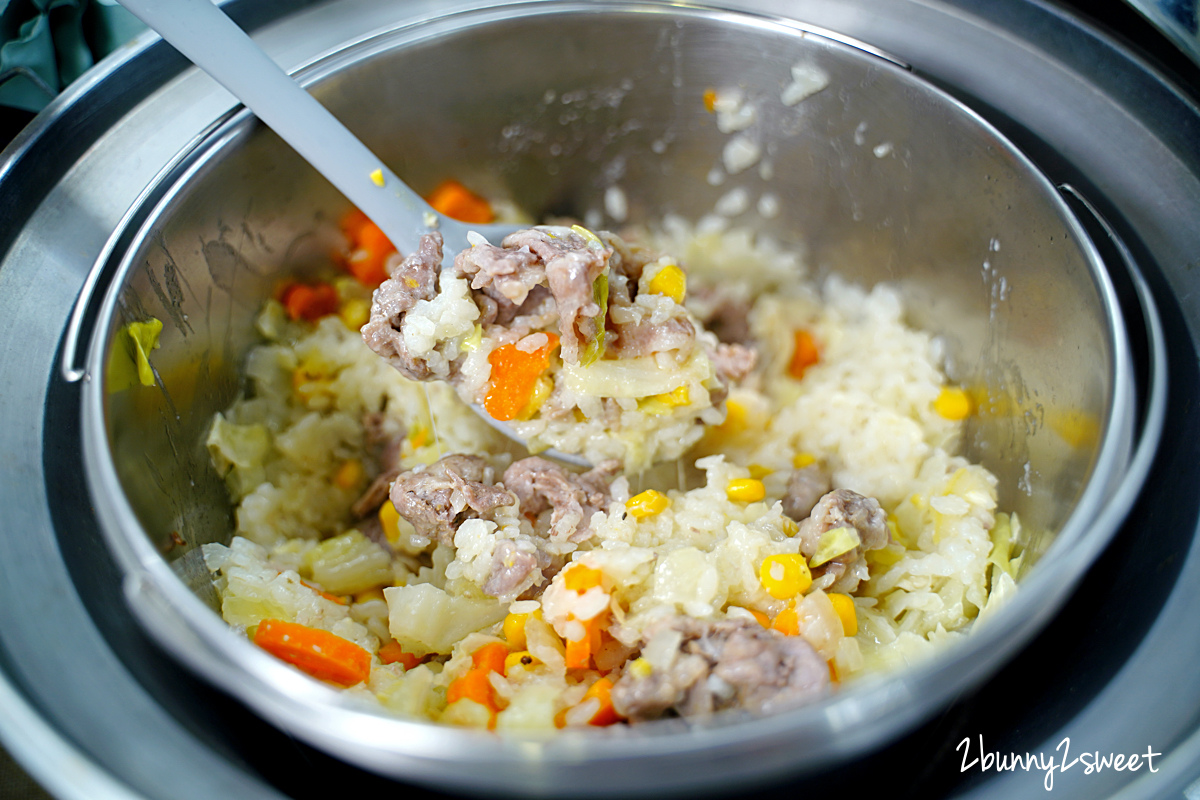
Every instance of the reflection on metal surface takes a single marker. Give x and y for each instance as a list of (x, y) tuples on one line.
[(1179, 20)]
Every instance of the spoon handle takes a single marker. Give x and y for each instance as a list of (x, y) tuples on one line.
[(210, 39)]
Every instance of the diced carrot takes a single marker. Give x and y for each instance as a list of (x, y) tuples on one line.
[(341, 601), (393, 653), (602, 691), (369, 249), (455, 200), (490, 657), (473, 685), (787, 622), (309, 302), (514, 375), (805, 354), (762, 618), (579, 654), (319, 653), (710, 100), (833, 676), (351, 222), (580, 578)]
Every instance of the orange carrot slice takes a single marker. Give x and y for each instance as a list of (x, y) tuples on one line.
[(602, 691), (369, 249), (804, 355), (514, 374), (393, 653), (309, 302), (787, 622), (319, 653), (455, 200), (490, 657), (579, 654)]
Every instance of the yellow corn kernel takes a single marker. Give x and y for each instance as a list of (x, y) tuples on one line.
[(676, 397), (790, 526), (736, 417), (670, 281), (580, 577), (522, 659), (640, 668), (952, 403), (349, 474), (355, 313), (367, 595), (419, 438), (843, 604), (758, 471), (305, 384), (647, 504), (802, 460), (514, 630), (389, 518), (785, 575), (377, 177), (745, 490), (541, 390)]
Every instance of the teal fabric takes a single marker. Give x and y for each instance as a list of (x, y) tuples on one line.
[(46, 44)]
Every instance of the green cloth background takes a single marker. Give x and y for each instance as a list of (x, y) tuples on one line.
[(46, 44)]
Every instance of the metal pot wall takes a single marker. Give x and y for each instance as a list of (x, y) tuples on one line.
[(68, 553)]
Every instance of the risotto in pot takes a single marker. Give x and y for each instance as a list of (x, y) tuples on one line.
[(775, 505)]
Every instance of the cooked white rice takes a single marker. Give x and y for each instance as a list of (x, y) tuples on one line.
[(866, 412)]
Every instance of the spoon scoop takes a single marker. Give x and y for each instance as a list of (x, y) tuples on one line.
[(212, 41)]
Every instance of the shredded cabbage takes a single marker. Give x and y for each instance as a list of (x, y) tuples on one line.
[(595, 347), (633, 377), (833, 543)]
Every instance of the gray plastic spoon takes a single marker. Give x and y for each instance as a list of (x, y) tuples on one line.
[(212, 41)]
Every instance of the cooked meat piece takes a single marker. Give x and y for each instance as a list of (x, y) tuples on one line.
[(645, 338), (723, 312), (628, 259), (415, 279), (572, 266), (542, 485), (521, 568), (516, 567), (383, 438), (720, 665), (438, 499), (804, 488), (502, 272), (730, 322), (733, 362), (371, 499), (536, 313), (844, 508)]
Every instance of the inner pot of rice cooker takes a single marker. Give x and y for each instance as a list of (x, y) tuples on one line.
[(559, 107)]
